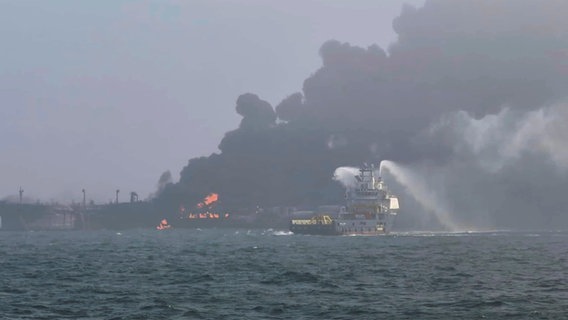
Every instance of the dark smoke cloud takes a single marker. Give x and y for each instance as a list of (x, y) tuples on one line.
[(483, 54), (508, 169), (256, 113), (471, 96), (165, 181), (291, 108)]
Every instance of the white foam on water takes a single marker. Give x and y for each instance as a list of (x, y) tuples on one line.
[(282, 233)]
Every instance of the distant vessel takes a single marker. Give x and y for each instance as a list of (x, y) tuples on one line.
[(25, 216), (370, 210)]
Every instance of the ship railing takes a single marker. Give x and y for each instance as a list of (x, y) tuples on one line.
[(303, 221), (315, 220)]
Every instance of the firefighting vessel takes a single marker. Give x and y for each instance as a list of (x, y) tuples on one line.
[(370, 210)]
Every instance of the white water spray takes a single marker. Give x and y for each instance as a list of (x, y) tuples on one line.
[(418, 187), (346, 176)]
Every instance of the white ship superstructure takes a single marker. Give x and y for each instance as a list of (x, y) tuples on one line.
[(370, 206), (370, 210)]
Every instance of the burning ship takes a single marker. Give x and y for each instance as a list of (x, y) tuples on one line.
[(370, 210), (204, 214)]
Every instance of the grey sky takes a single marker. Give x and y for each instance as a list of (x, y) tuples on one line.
[(107, 95)]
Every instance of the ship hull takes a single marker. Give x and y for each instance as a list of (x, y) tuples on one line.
[(323, 230), (348, 227), (365, 226), (36, 217)]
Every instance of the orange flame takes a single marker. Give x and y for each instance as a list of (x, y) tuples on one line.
[(207, 215), (210, 199), (163, 225), (204, 214)]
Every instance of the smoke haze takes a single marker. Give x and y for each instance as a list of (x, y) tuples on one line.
[(106, 95), (469, 103)]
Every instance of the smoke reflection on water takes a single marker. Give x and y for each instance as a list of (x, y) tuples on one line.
[(418, 187)]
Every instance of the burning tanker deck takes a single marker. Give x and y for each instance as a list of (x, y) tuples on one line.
[(149, 214), (209, 213), (206, 213)]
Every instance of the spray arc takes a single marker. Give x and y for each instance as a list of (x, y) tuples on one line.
[(418, 187)]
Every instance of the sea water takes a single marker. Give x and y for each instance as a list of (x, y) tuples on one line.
[(272, 274)]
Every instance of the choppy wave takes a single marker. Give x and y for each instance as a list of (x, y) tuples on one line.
[(272, 274)]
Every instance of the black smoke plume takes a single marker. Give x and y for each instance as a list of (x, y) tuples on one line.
[(471, 98)]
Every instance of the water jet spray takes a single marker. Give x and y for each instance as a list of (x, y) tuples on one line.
[(418, 187)]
